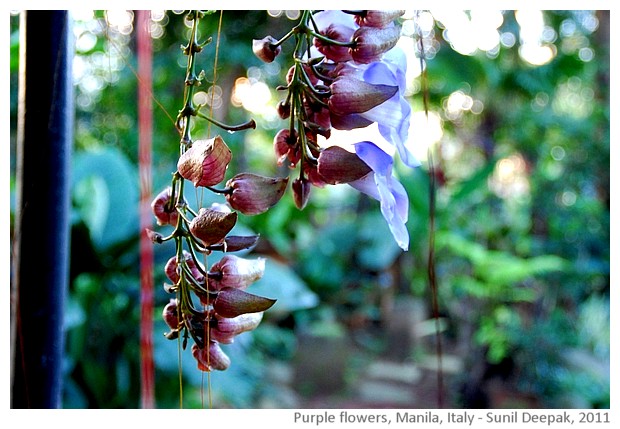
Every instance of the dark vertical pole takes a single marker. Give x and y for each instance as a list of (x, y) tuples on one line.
[(41, 240)]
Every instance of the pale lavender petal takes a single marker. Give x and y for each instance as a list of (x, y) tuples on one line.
[(390, 192), (392, 116), (380, 73), (396, 60), (389, 113), (399, 136), (371, 154), (367, 185)]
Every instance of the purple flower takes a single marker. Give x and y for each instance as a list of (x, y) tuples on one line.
[(393, 116), (387, 70), (383, 186), (368, 112)]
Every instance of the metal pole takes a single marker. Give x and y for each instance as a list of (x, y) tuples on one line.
[(41, 239)]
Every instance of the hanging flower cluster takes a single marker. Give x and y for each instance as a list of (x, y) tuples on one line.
[(211, 305), (347, 74)]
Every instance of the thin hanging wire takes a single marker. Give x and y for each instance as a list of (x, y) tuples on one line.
[(431, 273)]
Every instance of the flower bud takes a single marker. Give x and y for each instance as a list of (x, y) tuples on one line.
[(351, 95), (312, 175), (286, 146), (164, 208), (213, 358), (205, 163), (233, 271), (284, 109), (348, 122), (372, 42), (228, 328), (171, 268), (301, 192), (253, 194), (211, 226), (377, 18), (319, 119), (235, 243), (221, 207), (171, 314), (265, 49), (337, 165), (339, 33), (155, 237), (290, 74), (231, 302)]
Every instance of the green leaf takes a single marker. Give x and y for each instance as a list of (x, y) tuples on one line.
[(477, 180), (499, 267), (93, 205), (472, 287), (106, 171), (504, 268)]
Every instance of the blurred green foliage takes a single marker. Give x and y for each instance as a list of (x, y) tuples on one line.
[(521, 217)]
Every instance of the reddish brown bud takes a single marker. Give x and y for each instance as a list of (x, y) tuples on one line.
[(171, 268), (155, 237), (372, 42), (340, 33), (351, 95), (283, 109), (164, 208), (213, 358), (337, 165), (233, 271), (265, 49), (285, 147), (377, 18), (306, 69), (231, 302), (321, 120), (228, 328), (205, 163), (301, 192), (348, 122), (211, 226), (312, 175), (235, 243), (171, 314), (253, 194)]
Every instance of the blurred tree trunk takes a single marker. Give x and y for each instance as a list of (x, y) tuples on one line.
[(41, 240)]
